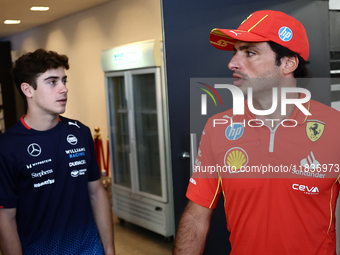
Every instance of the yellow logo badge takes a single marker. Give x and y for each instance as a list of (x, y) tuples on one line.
[(236, 158), (222, 43), (314, 130)]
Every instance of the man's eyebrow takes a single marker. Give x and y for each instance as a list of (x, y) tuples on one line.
[(55, 77), (247, 46)]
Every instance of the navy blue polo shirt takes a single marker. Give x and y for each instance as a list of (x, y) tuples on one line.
[(45, 175)]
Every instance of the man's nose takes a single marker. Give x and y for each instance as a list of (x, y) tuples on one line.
[(63, 89), (234, 63)]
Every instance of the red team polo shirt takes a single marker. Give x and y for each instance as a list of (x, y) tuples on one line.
[(280, 184)]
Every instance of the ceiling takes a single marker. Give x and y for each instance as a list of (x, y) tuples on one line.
[(20, 10)]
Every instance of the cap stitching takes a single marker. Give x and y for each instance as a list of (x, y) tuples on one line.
[(222, 35), (216, 43), (258, 22)]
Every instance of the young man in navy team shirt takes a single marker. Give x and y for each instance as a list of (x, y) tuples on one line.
[(51, 197)]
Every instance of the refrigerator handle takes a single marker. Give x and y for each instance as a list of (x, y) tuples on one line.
[(193, 151)]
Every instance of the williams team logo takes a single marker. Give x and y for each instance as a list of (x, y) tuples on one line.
[(314, 130), (72, 139), (34, 149), (236, 158)]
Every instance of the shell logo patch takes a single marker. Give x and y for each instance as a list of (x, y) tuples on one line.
[(235, 158), (314, 130)]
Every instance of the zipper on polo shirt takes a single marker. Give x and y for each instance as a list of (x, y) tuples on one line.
[(272, 137)]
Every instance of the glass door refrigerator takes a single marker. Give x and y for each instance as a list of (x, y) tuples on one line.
[(139, 135)]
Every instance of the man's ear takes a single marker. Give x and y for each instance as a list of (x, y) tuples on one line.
[(26, 89), (290, 64)]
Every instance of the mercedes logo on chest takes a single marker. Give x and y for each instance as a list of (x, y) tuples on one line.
[(34, 149)]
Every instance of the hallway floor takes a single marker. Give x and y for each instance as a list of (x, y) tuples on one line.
[(131, 239)]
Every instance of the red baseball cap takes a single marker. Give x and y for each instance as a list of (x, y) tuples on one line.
[(263, 26)]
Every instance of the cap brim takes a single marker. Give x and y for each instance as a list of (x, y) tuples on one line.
[(225, 39)]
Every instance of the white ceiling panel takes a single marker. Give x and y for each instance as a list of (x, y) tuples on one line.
[(20, 10)]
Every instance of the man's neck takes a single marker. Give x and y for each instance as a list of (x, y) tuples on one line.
[(276, 117), (264, 101), (41, 123)]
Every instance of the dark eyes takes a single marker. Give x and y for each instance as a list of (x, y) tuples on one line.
[(55, 82), (250, 53), (247, 52), (52, 82)]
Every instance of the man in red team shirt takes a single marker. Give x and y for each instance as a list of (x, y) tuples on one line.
[(289, 210)]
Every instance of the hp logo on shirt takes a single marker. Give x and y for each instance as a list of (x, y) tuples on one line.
[(285, 34), (234, 131)]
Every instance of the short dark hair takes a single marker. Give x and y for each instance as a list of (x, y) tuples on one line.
[(280, 51), (30, 66)]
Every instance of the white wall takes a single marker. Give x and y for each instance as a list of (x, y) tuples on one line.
[(82, 37), (334, 5)]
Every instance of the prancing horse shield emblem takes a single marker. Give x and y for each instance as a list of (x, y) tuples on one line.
[(314, 130)]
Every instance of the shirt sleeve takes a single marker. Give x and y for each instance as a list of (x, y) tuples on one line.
[(8, 181), (94, 173), (205, 184)]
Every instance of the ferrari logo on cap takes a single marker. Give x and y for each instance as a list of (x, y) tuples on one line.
[(222, 43), (314, 130)]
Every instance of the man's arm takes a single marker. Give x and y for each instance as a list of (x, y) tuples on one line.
[(9, 238), (102, 214), (193, 230)]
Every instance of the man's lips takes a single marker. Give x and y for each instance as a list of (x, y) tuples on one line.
[(62, 100), (237, 76), (238, 79)]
